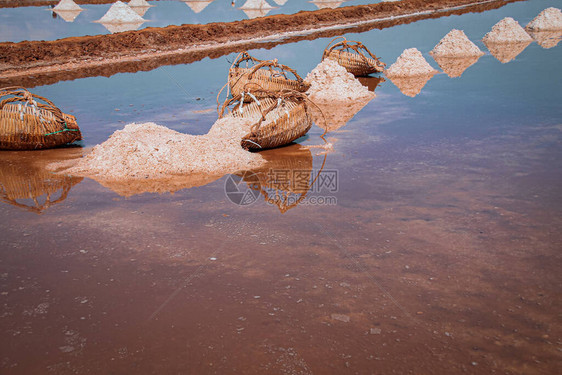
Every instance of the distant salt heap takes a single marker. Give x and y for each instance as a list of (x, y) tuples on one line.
[(507, 31), (256, 8), (139, 3), (197, 6), (336, 93), (121, 13), (67, 5), (547, 20), (456, 44), (150, 151), (410, 63)]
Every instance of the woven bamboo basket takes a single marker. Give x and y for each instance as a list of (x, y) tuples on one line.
[(354, 57), (267, 74), (30, 122), (280, 117)]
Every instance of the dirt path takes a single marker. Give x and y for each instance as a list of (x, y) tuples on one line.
[(32, 63)]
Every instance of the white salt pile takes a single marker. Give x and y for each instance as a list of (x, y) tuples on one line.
[(256, 4), (336, 93), (548, 19), (120, 13), (139, 3), (330, 81), (457, 44), (410, 63), (150, 151), (507, 31), (67, 5)]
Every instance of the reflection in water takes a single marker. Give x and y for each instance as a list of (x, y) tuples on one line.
[(26, 184), (286, 178), (256, 8), (411, 86), (120, 27), (332, 115), (141, 11), (197, 6), (67, 15), (505, 52), (327, 4), (547, 39), (455, 66), (371, 83)]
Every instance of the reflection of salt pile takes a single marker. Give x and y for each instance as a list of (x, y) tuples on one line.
[(197, 5), (410, 63), (256, 8), (546, 28), (547, 39), (455, 66), (507, 31), (457, 44), (280, 2), (140, 7), (150, 151), (506, 40), (337, 93), (548, 19), (411, 86), (327, 4), (68, 10), (120, 17)]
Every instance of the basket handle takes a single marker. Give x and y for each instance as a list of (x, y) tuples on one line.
[(21, 94), (244, 56), (274, 64)]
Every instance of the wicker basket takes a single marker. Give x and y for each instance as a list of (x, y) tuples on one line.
[(30, 122), (354, 57), (281, 117), (267, 74)]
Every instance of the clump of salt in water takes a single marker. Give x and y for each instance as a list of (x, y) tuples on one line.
[(337, 95), (410, 63), (506, 40), (547, 20), (67, 5), (456, 44), (455, 53), (546, 28), (121, 13), (507, 31), (151, 151)]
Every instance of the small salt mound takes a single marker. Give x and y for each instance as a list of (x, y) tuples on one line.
[(456, 43), (330, 81), (139, 3), (150, 151), (256, 4), (507, 31), (548, 19), (410, 63), (121, 13), (67, 5)]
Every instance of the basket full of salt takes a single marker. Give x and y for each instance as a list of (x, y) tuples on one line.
[(353, 56), (279, 117), (29, 122), (267, 74)]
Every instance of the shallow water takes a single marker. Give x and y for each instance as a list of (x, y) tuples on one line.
[(429, 242), (41, 23)]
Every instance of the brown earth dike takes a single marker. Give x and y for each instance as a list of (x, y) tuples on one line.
[(34, 63)]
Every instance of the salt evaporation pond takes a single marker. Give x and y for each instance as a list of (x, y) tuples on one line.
[(430, 244), (41, 23)]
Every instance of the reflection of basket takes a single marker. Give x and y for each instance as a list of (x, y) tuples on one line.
[(281, 117), (26, 124), (286, 178), (267, 74), (32, 188), (353, 57)]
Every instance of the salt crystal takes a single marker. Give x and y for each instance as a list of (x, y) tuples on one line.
[(456, 43), (507, 31), (410, 63), (548, 19)]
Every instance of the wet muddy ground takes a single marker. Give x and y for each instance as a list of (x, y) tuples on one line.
[(430, 243)]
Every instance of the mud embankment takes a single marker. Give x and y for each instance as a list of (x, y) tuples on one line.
[(32, 63)]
